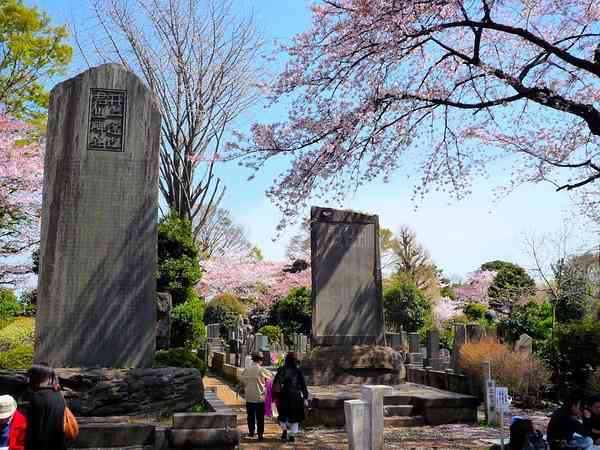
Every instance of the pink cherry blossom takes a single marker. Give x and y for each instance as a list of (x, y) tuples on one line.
[(21, 166), (475, 288), (248, 278), (437, 91)]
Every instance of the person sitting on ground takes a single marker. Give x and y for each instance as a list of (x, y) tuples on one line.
[(289, 389), (12, 425), (566, 429), (524, 437), (253, 378), (591, 420)]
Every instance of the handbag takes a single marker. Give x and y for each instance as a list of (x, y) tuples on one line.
[(71, 426)]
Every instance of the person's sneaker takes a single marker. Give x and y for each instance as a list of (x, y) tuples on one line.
[(284, 435), (260, 438), (291, 439)]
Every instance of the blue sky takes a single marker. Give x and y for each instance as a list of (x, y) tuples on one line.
[(460, 236)]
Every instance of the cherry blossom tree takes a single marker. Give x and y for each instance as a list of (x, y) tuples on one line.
[(444, 309), (21, 170), (438, 88), (249, 278), (475, 288)]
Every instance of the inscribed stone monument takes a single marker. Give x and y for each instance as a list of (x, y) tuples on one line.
[(100, 207), (346, 278), (348, 334)]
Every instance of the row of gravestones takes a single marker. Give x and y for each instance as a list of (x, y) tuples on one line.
[(243, 343), (436, 358)]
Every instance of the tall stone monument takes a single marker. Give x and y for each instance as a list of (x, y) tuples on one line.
[(100, 205), (346, 278), (348, 330)]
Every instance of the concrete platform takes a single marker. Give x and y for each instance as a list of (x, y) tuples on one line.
[(409, 404)]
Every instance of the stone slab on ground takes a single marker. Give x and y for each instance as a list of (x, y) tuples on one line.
[(204, 438), (111, 435), (204, 420), (435, 406)]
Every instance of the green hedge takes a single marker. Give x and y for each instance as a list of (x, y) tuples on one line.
[(188, 329), (20, 332), (178, 357), (17, 358)]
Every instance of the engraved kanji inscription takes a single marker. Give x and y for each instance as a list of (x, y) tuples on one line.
[(107, 120)]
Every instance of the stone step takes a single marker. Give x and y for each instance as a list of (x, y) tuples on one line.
[(397, 400), (135, 447), (397, 410), (403, 422)]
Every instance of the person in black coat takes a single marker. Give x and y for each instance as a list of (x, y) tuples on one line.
[(291, 398), (46, 413)]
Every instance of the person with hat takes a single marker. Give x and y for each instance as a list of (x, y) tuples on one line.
[(254, 378), (12, 425)]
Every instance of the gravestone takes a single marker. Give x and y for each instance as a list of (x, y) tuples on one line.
[(394, 340), (460, 337), (415, 356), (98, 255), (261, 342), (434, 360), (475, 332), (524, 344), (414, 343), (346, 278)]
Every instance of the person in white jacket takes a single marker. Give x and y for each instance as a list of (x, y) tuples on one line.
[(253, 378)]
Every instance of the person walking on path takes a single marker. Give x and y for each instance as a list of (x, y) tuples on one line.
[(254, 379), (289, 389), (46, 413), (12, 425)]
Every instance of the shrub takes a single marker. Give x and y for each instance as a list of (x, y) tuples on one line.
[(224, 309), (574, 353), (17, 358), (406, 306), (178, 265), (475, 311), (9, 306), (532, 319), (273, 332), (525, 375), (18, 333), (178, 357), (187, 327), (293, 313)]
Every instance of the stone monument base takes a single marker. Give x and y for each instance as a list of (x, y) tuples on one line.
[(119, 392), (358, 364)]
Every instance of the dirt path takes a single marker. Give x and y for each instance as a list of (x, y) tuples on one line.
[(314, 439), (443, 437)]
